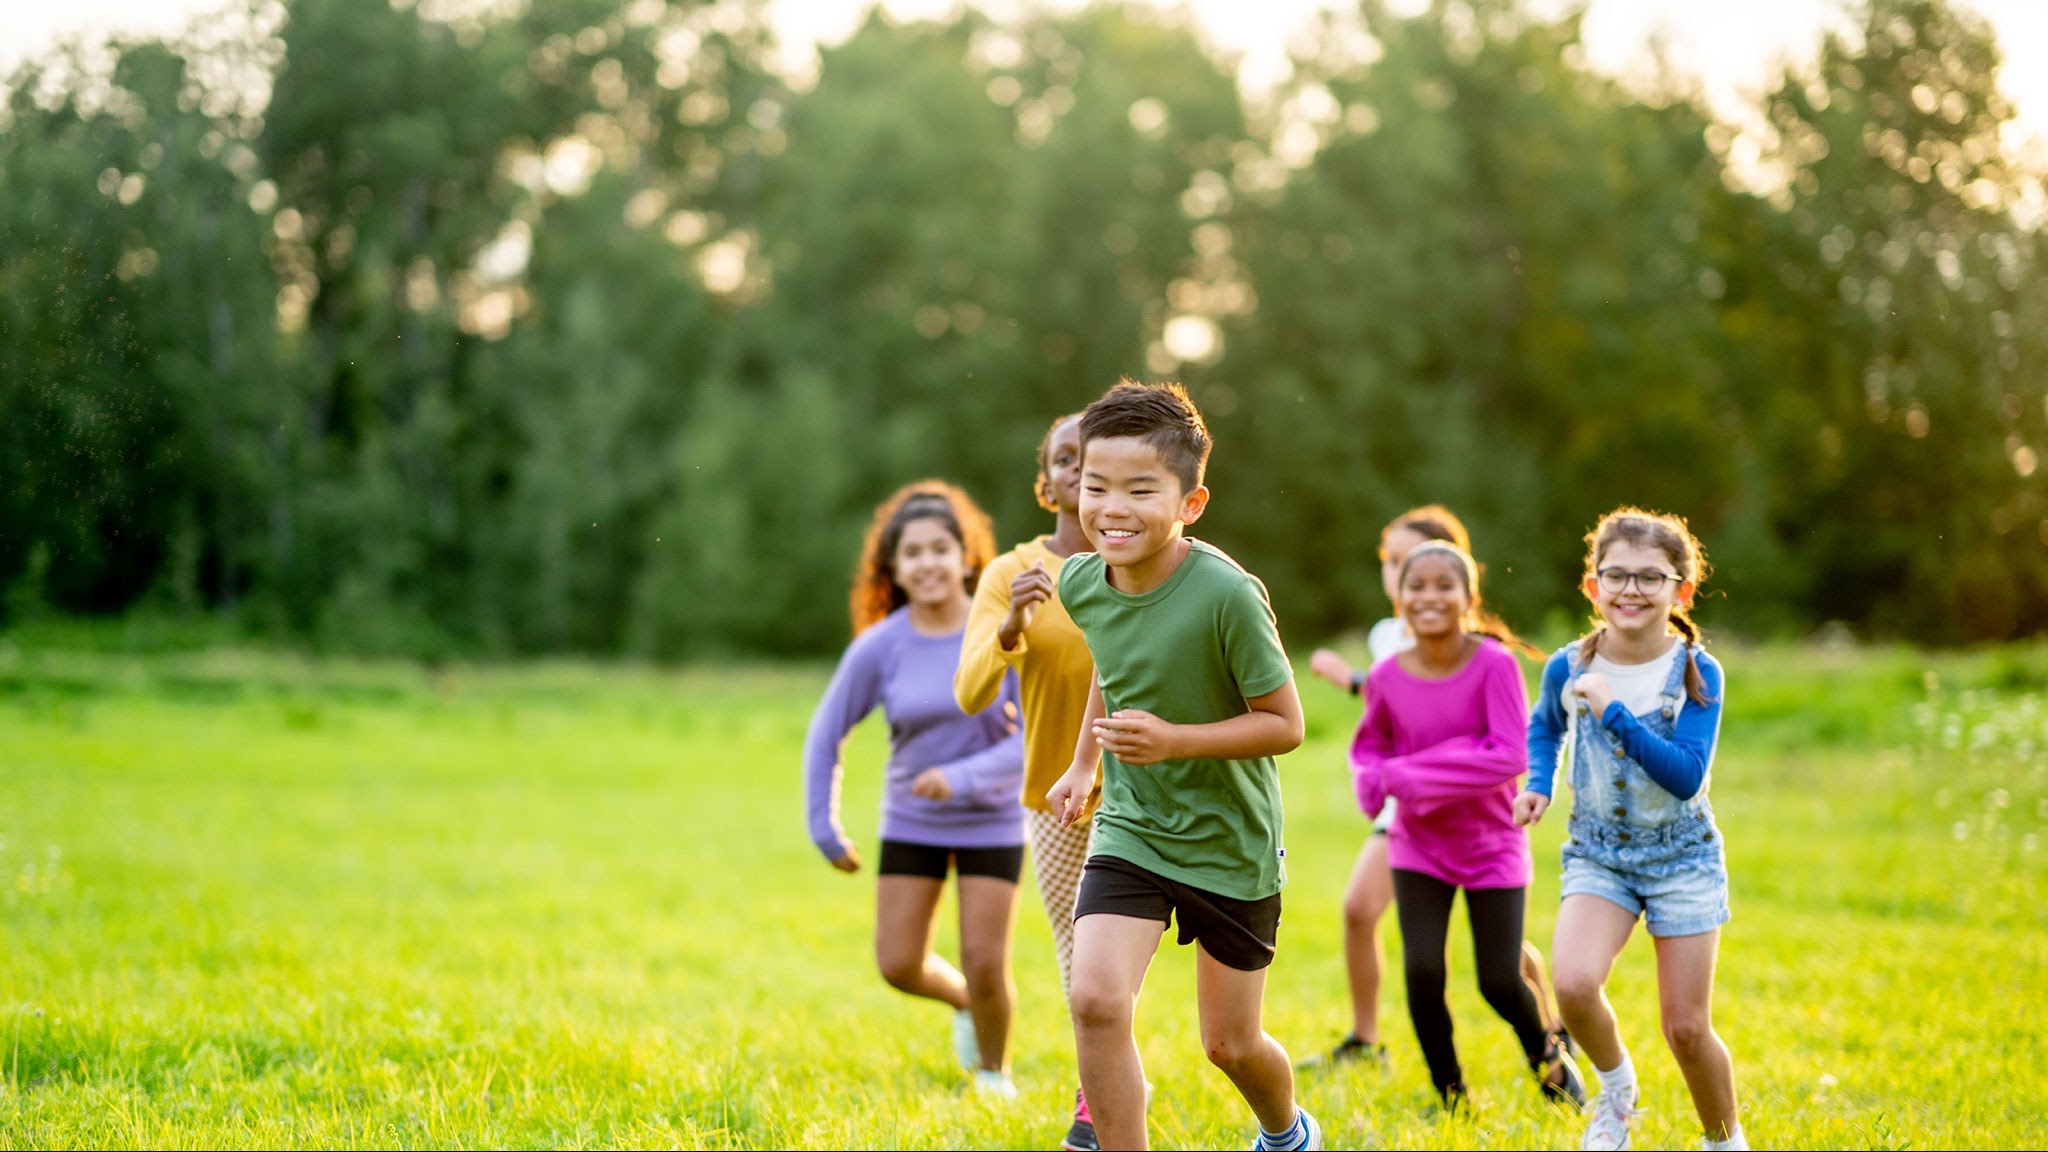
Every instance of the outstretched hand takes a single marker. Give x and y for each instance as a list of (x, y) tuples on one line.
[(1326, 663)]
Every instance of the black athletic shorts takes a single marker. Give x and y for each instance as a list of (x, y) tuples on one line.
[(902, 858), (1241, 934)]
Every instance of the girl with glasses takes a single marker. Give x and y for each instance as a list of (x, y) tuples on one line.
[(1635, 710)]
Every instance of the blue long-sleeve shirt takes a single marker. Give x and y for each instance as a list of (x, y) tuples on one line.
[(1678, 765), (909, 675)]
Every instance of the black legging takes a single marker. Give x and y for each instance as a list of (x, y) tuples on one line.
[(1424, 905)]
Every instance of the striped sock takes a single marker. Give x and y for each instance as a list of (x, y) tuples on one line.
[(1295, 1137)]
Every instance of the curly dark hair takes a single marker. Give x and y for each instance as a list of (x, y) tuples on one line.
[(875, 591)]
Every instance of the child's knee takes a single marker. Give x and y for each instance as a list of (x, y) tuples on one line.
[(1362, 910), (1230, 1051), (1502, 990), (1575, 990), (1425, 972), (1096, 1007), (901, 968), (984, 966), (1690, 1034)]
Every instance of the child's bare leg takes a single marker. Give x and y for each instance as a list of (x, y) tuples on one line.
[(1366, 899), (1539, 986), (1590, 934), (1685, 998), (988, 912), (905, 908), (1232, 1003), (1111, 954)]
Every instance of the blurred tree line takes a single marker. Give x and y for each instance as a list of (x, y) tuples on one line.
[(435, 328)]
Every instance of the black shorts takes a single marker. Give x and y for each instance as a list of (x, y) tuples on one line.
[(902, 858), (1240, 934)]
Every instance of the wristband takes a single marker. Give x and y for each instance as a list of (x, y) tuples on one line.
[(1357, 683)]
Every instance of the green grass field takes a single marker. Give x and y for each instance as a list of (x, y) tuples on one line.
[(255, 901)]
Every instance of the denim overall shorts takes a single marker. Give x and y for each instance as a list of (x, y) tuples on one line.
[(1632, 843)]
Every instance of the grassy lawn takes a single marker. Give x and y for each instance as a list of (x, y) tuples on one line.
[(256, 901)]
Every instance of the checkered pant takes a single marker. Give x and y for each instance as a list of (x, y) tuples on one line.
[(1057, 854)]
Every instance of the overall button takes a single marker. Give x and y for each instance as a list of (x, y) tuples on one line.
[(1620, 785), (1621, 811), (1623, 836)]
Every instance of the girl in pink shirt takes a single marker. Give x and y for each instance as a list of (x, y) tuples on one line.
[(1444, 733)]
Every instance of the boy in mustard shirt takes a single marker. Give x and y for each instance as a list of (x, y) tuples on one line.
[(1193, 698)]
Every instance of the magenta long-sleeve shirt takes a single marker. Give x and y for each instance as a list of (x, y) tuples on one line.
[(1451, 751)]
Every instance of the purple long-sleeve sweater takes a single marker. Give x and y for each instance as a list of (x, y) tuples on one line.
[(1450, 751), (910, 676)]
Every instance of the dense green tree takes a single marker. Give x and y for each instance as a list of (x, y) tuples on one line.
[(576, 327)]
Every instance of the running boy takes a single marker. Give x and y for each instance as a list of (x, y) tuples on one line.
[(1193, 697)]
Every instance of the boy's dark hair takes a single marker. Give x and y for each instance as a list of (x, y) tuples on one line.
[(1159, 414)]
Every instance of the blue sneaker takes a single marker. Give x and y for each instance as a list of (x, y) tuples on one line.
[(1305, 1136)]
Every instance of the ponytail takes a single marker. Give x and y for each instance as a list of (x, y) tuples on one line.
[(1482, 623)]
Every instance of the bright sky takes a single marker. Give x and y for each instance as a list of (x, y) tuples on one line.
[(1731, 45)]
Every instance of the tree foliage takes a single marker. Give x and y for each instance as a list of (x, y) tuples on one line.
[(578, 327)]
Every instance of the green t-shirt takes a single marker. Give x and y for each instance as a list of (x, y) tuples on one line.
[(1190, 651)]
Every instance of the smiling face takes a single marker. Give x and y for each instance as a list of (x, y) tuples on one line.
[(929, 564), (1132, 506), (1060, 481), (1631, 611), (1432, 596), (1394, 548)]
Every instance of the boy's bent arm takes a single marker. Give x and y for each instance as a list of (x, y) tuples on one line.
[(1272, 727), (1070, 794)]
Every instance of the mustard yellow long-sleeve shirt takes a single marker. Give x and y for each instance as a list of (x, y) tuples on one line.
[(1054, 669)]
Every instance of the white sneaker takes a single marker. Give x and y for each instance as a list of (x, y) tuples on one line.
[(1611, 1120), (989, 1082), (966, 1045)]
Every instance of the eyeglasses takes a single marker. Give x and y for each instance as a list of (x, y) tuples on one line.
[(1649, 581)]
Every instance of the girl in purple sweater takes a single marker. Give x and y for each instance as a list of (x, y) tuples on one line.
[(1444, 733), (950, 800)]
